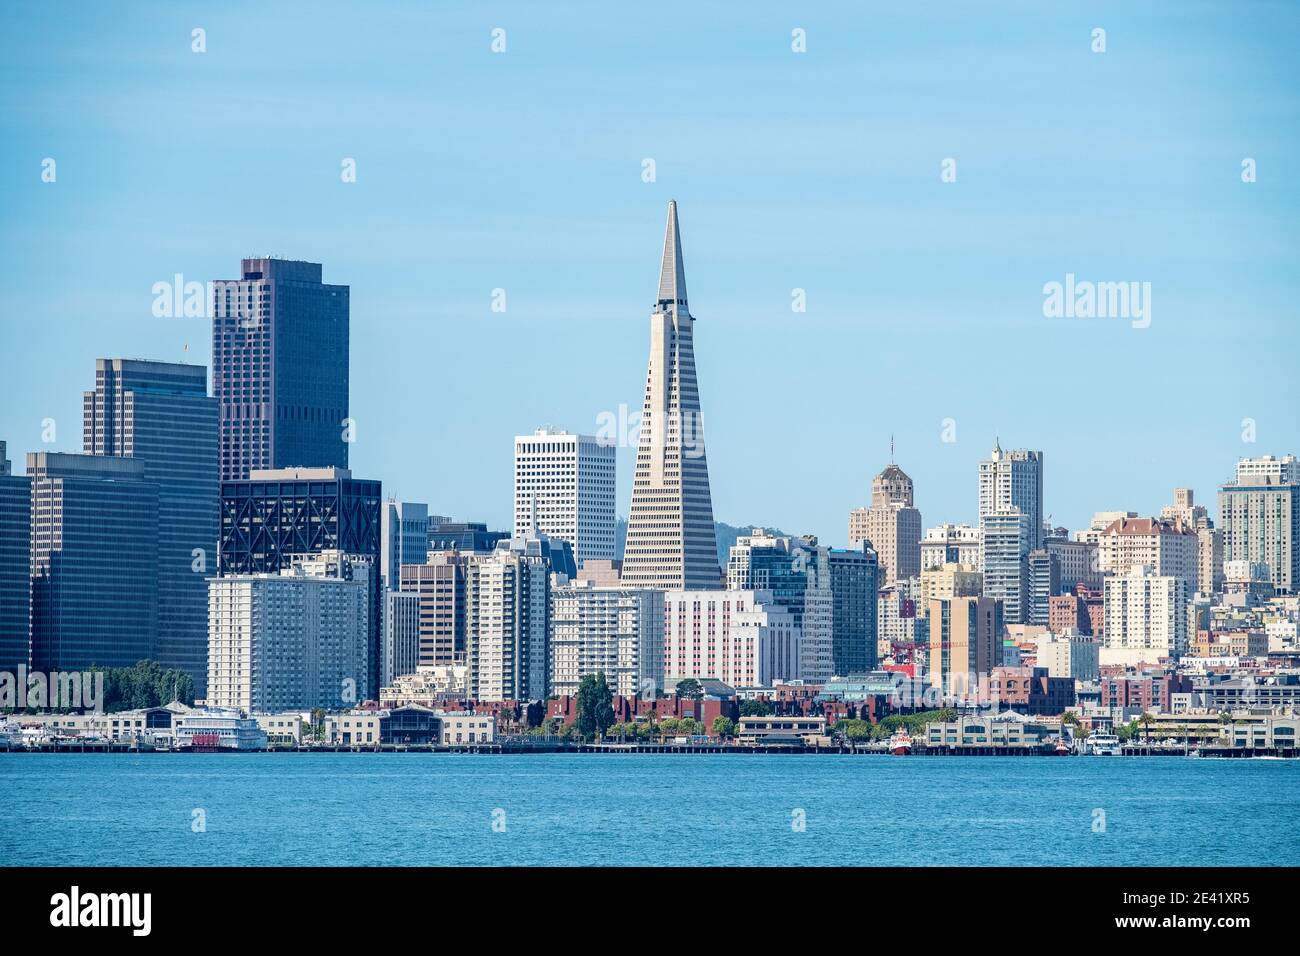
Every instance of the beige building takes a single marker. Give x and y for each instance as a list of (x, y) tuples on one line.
[(1001, 730), (950, 581), (892, 525), (1169, 547), (965, 642), (462, 728), (353, 729)]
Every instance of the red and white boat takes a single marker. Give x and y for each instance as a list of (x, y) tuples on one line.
[(1062, 749), (900, 745)]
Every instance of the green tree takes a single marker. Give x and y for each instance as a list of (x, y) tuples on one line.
[(1146, 720), (595, 706), (755, 708), (690, 689), (723, 726)]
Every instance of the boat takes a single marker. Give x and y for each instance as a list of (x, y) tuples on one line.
[(1062, 749), (1104, 745), (900, 745)]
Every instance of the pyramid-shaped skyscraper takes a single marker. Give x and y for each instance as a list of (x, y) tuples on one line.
[(670, 538)]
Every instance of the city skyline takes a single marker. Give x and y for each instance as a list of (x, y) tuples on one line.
[(854, 212)]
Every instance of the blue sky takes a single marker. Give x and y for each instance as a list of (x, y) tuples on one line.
[(818, 171)]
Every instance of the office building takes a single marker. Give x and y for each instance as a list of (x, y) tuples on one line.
[(439, 583), (403, 538), (400, 648), (94, 561), (280, 368), (670, 533), (965, 642), (160, 414), (949, 581), (564, 488), (1069, 654), (796, 572), (892, 525), (15, 566), (1067, 612), (900, 617), (276, 515), (855, 585), (1076, 561)]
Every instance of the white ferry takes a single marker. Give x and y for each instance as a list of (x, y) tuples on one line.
[(1103, 745)]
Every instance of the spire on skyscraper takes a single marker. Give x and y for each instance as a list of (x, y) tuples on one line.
[(672, 274)]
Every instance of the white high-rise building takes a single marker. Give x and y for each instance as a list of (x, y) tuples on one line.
[(1013, 481), (564, 488), (742, 638), (1004, 561), (611, 630), (507, 594), (670, 534), (1146, 617), (294, 640)]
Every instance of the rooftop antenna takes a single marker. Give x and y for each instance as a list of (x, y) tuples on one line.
[(891, 449)]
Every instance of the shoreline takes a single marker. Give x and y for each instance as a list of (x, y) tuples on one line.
[(507, 750)]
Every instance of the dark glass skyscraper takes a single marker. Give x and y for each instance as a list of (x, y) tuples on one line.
[(855, 581), (160, 414), (94, 562), (15, 565), (278, 514), (280, 367)]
